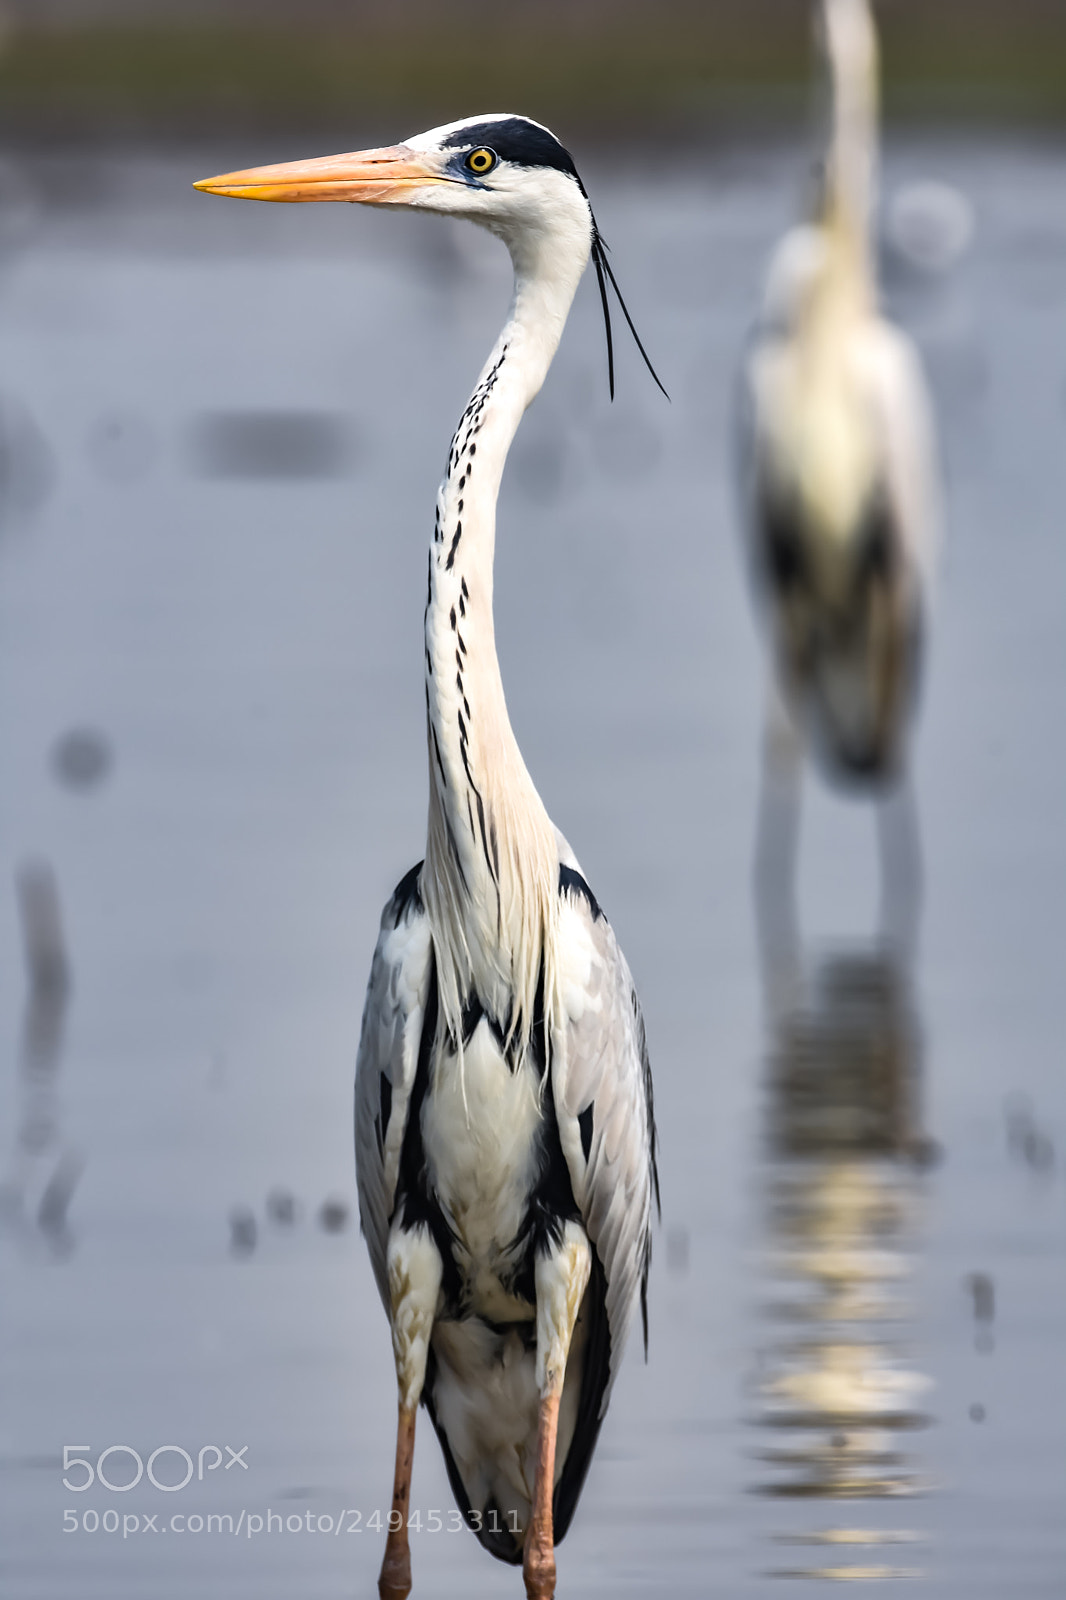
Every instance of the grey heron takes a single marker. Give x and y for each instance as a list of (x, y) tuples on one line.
[(505, 1140), (840, 481)]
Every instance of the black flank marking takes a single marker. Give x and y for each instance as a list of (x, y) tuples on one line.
[(496, 849), (551, 1203), (386, 1109), (465, 590), (462, 729), (571, 882), (473, 1011), (454, 848), (458, 661), (462, 481), (459, 636), (584, 1122), (407, 894), (462, 606), (459, 680), (466, 706), (455, 545), (460, 506), (416, 1203), (484, 838), (452, 619), (473, 452), (538, 1035), (436, 752)]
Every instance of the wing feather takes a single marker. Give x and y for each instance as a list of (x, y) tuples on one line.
[(600, 1060), (388, 1057)]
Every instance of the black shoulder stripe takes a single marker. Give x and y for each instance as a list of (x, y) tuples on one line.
[(571, 882), (585, 1123), (385, 1111), (415, 1202), (473, 1011), (407, 894)]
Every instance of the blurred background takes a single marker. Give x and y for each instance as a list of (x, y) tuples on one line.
[(221, 430)]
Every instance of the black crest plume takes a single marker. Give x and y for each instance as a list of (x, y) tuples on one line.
[(603, 274)]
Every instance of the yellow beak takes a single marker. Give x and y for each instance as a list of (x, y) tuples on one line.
[(370, 177)]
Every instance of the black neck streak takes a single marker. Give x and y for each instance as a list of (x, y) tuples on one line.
[(445, 558)]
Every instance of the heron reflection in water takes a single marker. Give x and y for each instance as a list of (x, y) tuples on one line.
[(840, 492), (837, 1396), (42, 1168)]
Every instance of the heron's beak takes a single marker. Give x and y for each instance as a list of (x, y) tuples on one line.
[(389, 176)]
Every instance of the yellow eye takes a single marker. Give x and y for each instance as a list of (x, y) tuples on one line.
[(480, 161)]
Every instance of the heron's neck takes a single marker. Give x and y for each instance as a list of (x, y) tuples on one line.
[(491, 858), (851, 162)]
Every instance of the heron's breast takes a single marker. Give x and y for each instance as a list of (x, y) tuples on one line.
[(480, 1128), (821, 436)]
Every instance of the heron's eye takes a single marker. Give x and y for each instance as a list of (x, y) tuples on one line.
[(480, 161)]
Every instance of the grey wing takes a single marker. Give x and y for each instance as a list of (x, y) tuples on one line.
[(766, 536), (603, 1100), (746, 458), (396, 997), (911, 456)]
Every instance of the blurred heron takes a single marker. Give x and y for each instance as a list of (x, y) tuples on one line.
[(505, 1143), (839, 479)]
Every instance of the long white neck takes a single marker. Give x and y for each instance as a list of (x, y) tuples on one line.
[(851, 163), (490, 882)]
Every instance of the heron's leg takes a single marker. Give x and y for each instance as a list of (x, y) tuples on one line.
[(414, 1287), (777, 833), (900, 838), (561, 1278)]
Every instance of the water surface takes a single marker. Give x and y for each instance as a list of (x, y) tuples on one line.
[(223, 429)]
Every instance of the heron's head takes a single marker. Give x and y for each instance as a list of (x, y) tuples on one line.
[(506, 172), (847, 36)]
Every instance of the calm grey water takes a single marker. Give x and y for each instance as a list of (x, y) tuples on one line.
[(222, 429)]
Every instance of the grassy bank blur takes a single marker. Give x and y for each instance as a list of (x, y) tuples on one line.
[(652, 67)]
